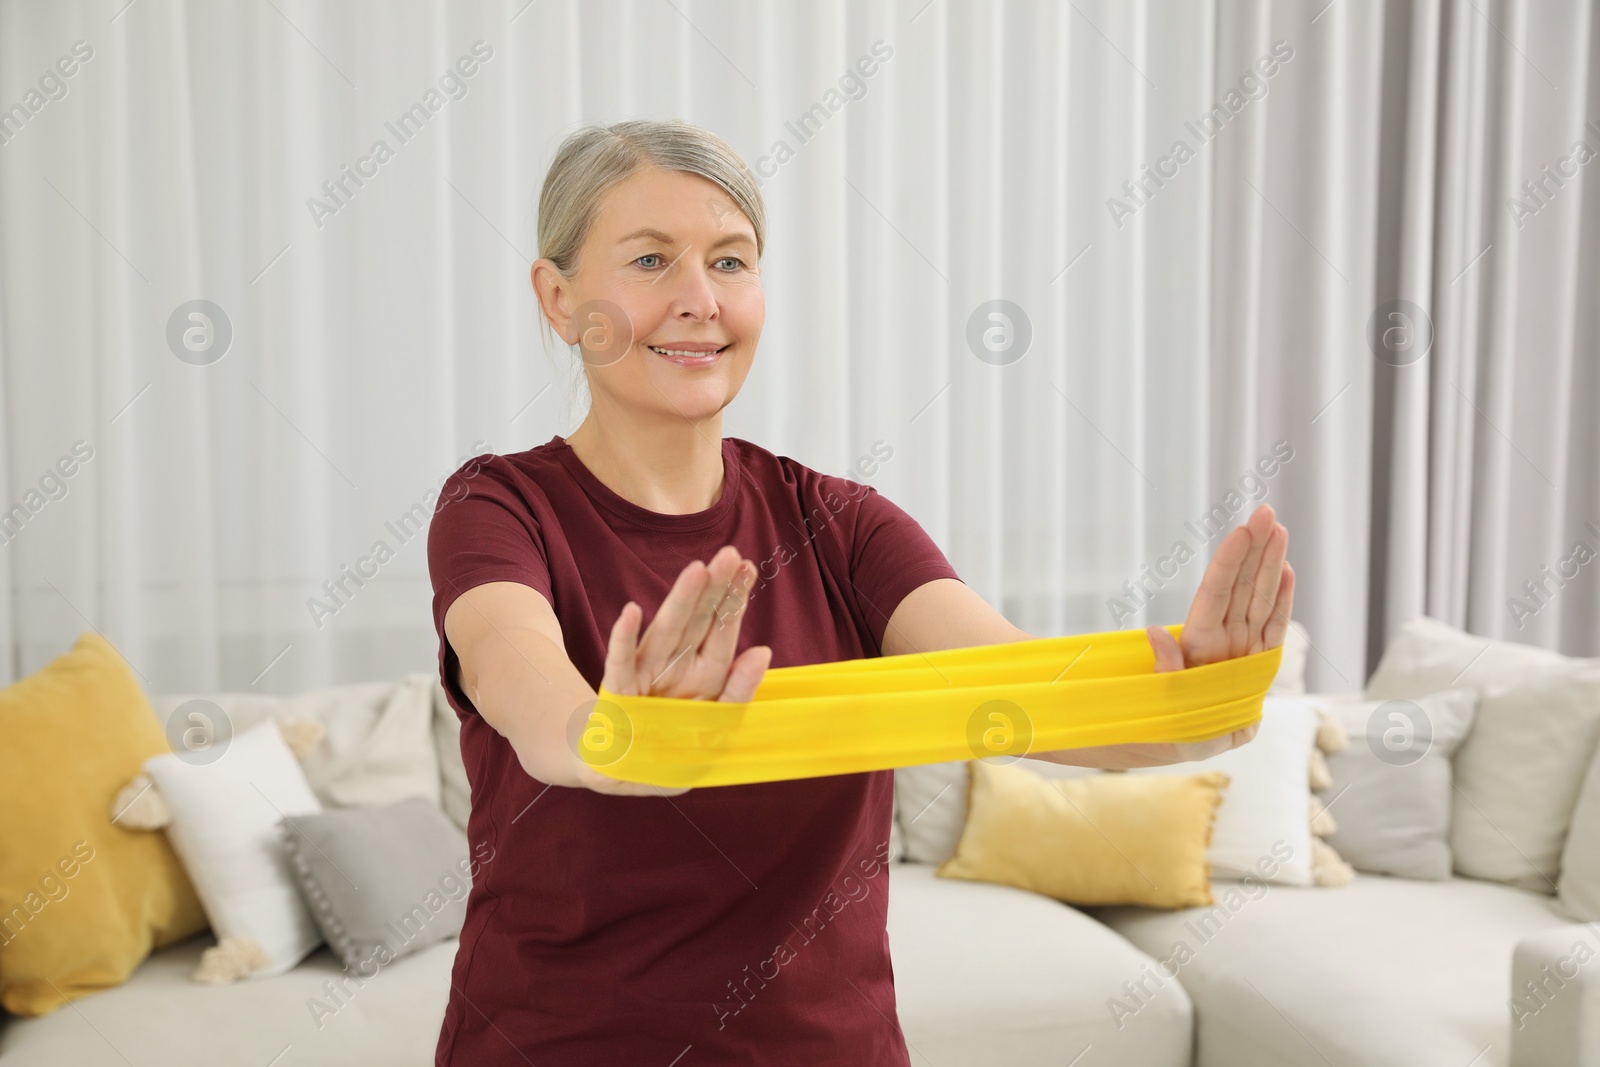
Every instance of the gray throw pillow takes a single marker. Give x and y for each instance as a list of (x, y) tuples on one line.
[(1519, 772), (381, 881), (1392, 788)]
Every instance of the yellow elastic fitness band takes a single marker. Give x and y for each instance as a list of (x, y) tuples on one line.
[(898, 711)]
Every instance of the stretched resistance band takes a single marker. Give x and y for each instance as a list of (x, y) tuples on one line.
[(898, 711)]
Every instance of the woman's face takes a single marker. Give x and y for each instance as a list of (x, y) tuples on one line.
[(666, 302)]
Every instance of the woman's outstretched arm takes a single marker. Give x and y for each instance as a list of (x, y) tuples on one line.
[(513, 663), (1241, 607)]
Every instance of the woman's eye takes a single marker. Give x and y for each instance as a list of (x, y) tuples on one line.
[(654, 260)]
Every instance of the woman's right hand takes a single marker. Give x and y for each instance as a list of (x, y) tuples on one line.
[(687, 651)]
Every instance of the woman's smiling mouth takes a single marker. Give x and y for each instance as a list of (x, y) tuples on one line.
[(689, 355)]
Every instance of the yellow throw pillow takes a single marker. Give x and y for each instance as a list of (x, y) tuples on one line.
[(82, 900), (1099, 839)]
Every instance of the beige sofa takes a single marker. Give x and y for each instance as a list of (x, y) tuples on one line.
[(1381, 972)]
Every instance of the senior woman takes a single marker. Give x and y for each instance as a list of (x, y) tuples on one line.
[(626, 923)]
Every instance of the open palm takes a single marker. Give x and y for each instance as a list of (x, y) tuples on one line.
[(1244, 599), (687, 651), (1242, 607)]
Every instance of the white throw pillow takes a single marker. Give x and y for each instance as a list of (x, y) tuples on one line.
[(1291, 677), (1518, 775), (1580, 861), (224, 828), (1262, 829), (379, 746), (1519, 771)]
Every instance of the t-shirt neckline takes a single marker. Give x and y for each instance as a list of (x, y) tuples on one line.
[(604, 495)]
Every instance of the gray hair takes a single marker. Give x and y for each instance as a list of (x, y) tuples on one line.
[(595, 158)]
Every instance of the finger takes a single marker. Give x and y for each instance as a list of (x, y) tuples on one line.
[(664, 636), (720, 643), (1278, 624), (1237, 622), (621, 672), (1210, 605), (726, 595), (1169, 657), (1264, 591), (745, 676), (732, 609), (719, 573)]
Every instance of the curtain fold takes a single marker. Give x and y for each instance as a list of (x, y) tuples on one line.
[(1073, 350), (1432, 340)]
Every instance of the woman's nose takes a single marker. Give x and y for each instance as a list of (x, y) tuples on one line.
[(692, 292)]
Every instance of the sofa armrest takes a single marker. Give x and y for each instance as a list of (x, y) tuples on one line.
[(1555, 998)]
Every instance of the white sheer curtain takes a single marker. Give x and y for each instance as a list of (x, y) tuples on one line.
[(951, 154), (373, 345)]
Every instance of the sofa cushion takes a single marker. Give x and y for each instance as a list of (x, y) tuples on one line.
[(381, 881), (986, 974), (1383, 972), (1519, 771), (1426, 655), (455, 790), (1099, 839), (225, 816), (1291, 677), (82, 900), (1518, 776), (159, 1016), (1262, 825), (931, 800), (379, 742), (1392, 782)]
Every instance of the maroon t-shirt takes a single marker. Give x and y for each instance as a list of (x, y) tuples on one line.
[(730, 924)]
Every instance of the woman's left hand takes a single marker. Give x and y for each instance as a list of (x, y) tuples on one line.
[(1243, 603), (1242, 607)]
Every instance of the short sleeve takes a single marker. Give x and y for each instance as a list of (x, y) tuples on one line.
[(484, 529), (890, 555)]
